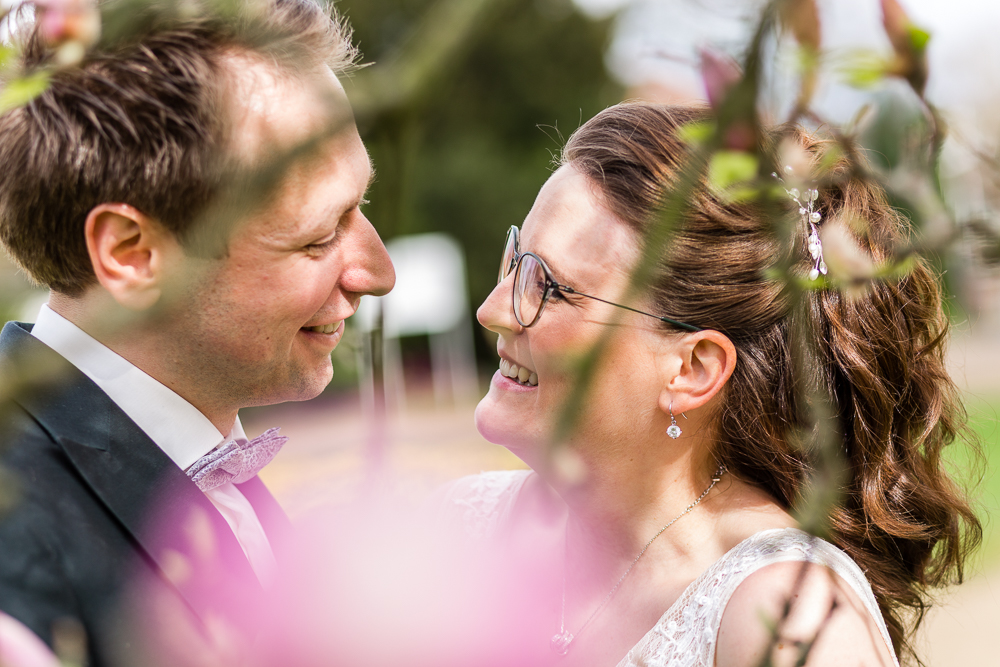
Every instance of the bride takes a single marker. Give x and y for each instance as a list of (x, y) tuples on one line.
[(667, 518)]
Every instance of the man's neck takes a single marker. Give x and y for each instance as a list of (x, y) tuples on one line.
[(125, 333)]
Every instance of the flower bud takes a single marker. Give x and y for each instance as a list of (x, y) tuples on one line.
[(848, 262), (796, 162), (61, 22), (909, 43), (720, 73), (802, 19)]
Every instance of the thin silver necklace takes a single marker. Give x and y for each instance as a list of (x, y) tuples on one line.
[(561, 641)]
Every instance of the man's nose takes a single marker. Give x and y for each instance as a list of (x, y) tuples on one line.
[(371, 272)]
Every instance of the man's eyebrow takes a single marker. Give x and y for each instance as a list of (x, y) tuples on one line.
[(360, 201), (372, 175)]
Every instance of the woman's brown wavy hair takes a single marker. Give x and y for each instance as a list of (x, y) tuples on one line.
[(878, 356)]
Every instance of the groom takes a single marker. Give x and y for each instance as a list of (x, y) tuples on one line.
[(169, 312)]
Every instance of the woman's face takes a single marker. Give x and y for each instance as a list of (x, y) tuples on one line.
[(587, 248)]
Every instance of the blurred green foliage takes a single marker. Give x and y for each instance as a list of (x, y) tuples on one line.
[(467, 153), (981, 474)]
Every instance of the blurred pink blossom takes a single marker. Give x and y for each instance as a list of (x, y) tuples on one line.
[(20, 647), (64, 21), (719, 73)]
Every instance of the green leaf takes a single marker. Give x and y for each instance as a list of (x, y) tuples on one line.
[(740, 194), (730, 167), (806, 60), (21, 91), (696, 133), (918, 38), (864, 69), (829, 157), (7, 53)]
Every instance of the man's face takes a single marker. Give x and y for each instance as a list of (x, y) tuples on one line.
[(261, 322)]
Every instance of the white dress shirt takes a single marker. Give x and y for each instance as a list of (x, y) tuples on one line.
[(177, 427)]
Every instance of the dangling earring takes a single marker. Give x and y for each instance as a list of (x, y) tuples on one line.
[(674, 431)]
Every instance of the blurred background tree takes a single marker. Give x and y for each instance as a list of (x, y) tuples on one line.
[(467, 153)]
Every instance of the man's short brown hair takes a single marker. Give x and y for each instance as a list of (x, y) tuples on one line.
[(142, 121)]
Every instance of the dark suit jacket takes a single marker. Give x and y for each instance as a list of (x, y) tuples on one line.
[(95, 519)]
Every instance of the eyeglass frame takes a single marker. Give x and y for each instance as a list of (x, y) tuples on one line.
[(551, 285)]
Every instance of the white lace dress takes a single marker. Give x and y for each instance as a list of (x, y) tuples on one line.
[(686, 634)]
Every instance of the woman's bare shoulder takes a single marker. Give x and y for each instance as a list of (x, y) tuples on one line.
[(798, 607)]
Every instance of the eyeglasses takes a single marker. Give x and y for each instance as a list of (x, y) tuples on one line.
[(534, 284)]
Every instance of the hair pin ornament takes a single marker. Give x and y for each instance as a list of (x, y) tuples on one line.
[(811, 217)]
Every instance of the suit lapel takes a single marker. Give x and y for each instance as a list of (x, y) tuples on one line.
[(157, 505)]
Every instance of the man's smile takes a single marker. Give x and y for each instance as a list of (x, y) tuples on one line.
[(324, 328)]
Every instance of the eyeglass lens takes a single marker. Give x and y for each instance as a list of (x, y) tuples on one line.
[(509, 251), (529, 290)]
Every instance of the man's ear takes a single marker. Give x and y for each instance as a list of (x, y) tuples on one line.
[(706, 362), (130, 253)]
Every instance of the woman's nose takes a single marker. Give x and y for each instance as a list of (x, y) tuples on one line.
[(497, 313)]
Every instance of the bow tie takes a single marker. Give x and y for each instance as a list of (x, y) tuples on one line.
[(237, 461)]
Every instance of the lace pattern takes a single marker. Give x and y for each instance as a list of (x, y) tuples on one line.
[(686, 635), (483, 501)]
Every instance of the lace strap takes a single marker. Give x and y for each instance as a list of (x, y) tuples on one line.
[(793, 545), (687, 633)]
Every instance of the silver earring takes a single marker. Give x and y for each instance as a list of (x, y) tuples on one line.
[(674, 431)]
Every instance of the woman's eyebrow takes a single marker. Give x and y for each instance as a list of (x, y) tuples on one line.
[(556, 274)]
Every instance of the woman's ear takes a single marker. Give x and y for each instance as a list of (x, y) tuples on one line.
[(703, 363), (130, 254)]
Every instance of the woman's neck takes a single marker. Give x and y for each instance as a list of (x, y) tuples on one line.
[(622, 503)]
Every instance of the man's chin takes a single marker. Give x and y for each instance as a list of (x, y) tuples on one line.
[(303, 386), (315, 383)]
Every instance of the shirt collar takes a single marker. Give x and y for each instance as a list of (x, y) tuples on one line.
[(177, 427)]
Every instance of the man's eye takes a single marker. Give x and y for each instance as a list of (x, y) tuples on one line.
[(320, 246)]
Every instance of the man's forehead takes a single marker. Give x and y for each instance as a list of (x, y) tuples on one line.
[(274, 109)]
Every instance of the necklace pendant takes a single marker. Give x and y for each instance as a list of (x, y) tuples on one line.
[(560, 642)]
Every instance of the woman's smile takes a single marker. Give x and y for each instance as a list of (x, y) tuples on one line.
[(520, 374)]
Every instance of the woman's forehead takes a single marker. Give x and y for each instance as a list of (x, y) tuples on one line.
[(569, 226)]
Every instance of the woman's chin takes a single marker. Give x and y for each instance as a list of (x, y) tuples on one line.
[(489, 424), (500, 425)]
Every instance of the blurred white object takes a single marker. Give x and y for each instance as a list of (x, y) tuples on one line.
[(30, 305), (430, 298)]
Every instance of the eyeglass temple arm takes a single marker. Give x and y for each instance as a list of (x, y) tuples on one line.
[(682, 325)]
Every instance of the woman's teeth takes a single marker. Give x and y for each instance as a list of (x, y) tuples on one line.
[(519, 373), (324, 328)]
